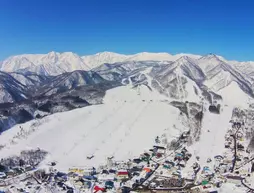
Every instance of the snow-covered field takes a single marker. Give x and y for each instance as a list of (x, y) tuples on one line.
[(124, 126)]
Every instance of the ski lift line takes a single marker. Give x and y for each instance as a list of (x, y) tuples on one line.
[(96, 148), (39, 190), (188, 111), (178, 147), (162, 87), (181, 88), (119, 143), (179, 80), (178, 85), (50, 189), (181, 85), (213, 143), (93, 129), (86, 115), (117, 127), (212, 153), (131, 125)]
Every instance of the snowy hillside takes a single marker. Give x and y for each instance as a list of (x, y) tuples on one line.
[(123, 126), (127, 116), (122, 70), (179, 79), (234, 96), (220, 74), (209, 65), (11, 90), (244, 67), (61, 100), (68, 81), (30, 79), (18, 86)]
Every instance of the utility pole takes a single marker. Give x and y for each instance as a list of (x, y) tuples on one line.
[(235, 148), (235, 154)]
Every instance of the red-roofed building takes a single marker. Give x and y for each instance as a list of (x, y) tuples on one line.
[(122, 174), (97, 189)]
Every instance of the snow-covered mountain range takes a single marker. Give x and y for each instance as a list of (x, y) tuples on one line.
[(172, 75), (55, 63)]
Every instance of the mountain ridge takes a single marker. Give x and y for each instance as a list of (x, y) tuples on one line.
[(55, 63)]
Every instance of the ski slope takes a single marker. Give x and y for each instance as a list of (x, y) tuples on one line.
[(215, 126), (124, 126), (212, 139)]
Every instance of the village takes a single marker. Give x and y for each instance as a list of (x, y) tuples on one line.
[(162, 168)]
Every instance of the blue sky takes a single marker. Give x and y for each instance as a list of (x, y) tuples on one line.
[(224, 27)]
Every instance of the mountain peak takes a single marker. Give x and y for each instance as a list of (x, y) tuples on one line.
[(184, 59), (52, 53), (210, 56), (51, 57), (69, 55)]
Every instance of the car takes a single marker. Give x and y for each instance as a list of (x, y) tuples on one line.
[(2, 175)]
